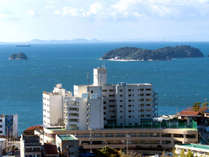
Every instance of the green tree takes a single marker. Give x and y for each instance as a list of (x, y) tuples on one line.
[(196, 106), (174, 153), (190, 154), (182, 154)]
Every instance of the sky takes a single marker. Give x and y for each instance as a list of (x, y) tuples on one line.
[(108, 20)]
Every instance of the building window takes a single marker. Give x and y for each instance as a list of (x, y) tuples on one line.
[(148, 99), (191, 136), (92, 91)]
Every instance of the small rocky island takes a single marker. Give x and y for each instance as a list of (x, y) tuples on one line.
[(139, 54), (18, 56)]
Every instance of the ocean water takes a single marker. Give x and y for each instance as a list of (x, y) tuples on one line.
[(179, 83)]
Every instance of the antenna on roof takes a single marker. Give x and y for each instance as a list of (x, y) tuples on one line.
[(88, 77)]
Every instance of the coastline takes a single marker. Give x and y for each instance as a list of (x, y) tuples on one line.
[(126, 60)]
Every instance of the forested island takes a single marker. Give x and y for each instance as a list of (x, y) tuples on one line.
[(18, 56), (139, 54)]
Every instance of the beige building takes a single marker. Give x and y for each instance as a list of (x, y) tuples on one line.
[(131, 139)]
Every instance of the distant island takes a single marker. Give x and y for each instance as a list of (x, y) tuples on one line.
[(18, 56), (139, 54)]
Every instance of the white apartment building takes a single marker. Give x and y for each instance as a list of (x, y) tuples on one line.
[(122, 105), (9, 125), (99, 105), (53, 104)]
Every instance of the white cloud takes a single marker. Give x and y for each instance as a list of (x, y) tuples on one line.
[(2, 15), (70, 11), (138, 8), (94, 9), (31, 12)]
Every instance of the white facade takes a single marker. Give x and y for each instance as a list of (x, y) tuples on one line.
[(100, 76), (9, 125), (99, 105), (120, 104), (53, 104)]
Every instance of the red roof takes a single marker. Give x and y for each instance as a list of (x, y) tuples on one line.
[(191, 112), (50, 149), (32, 128)]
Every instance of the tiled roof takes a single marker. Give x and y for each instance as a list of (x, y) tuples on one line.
[(32, 128), (191, 112)]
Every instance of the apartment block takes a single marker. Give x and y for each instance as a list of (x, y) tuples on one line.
[(9, 126), (99, 105)]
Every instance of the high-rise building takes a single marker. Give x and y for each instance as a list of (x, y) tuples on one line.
[(53, 104), (99, 105), (9, 126)]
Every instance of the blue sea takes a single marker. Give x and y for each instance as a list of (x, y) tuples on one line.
[(179, 83)]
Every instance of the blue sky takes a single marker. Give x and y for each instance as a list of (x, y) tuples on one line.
[(113, 20)]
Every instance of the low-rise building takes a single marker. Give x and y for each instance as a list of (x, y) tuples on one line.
[(30, 145), (153, 137), (67, 145), (9, 126), (198, 150)]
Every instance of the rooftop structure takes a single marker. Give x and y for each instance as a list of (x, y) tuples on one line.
[(67, 137), (193, 112)]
